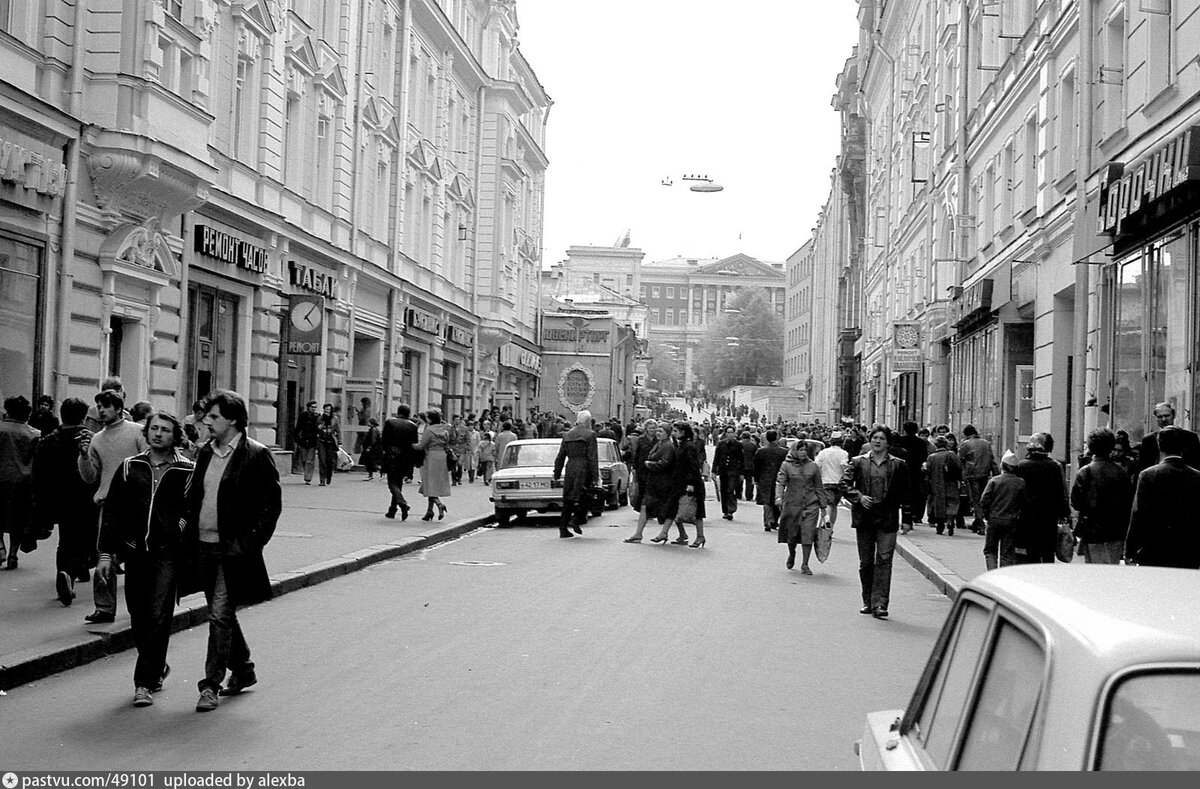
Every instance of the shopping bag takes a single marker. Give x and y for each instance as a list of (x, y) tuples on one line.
[(686, 513), (344, 461), (824, 541), (1064, 549)]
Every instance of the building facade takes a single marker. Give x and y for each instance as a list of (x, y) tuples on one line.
[(1029, 224), (299, 200)]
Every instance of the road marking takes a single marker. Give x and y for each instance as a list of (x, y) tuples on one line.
[(478, 564)]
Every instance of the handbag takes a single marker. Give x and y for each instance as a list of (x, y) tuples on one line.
[(1064, 548), (824, 541), (344, 461), (686, 512)]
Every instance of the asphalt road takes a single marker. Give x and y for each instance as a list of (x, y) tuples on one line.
[(513, 649)]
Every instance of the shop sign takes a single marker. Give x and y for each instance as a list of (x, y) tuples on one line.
[(459, 336), (554, 334), (516, 356), (305, 325), (974, 301), (32, 170), (313, 280), (576, 387), (424, 321), (218, 245), (1125, 194), (906, 347)]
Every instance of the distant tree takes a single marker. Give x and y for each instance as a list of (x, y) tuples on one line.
[(663, 367), (754, 355)]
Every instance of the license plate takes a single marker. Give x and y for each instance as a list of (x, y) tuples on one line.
[(536, 483)]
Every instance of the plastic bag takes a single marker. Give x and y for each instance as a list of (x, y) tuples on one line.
[(344, 461), (824, 541), (1064, 549), (686, 513)]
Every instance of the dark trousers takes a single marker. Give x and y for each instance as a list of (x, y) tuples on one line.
[(998, 547), (227, 647), (76, 552), (327, 454), (574, 513), (730, 482), (306, 458), (748, 483), (975, 487), (875, 549), (918, 495), (150, 597), (770, 516), (395, 480)]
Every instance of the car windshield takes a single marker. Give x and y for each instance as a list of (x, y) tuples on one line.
[(1152, 722), (528, 455), (606, 452)]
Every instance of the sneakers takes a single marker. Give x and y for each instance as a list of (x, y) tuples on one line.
[(235, 684), (142, 697), (207, 701), (65, 586)]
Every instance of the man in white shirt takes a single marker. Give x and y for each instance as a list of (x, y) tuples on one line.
[(832, 461)]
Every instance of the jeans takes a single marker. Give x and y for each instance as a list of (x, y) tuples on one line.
[(730, 482), (998, 544), (975, 487), (104, 589), (307, 460), (150, 597), (875, 549), (227, 648)]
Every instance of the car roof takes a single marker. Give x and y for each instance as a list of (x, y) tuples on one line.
[(1118, 615), (544, 441)]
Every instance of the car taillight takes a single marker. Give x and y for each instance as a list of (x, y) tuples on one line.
[(509, 485), (556, 483)]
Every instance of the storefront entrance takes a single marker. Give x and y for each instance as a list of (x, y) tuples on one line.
[(212, 357), (20, 295)]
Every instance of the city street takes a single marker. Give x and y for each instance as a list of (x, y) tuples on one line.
[(514, 649)]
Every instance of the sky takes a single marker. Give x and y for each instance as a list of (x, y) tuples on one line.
[(645, 90)]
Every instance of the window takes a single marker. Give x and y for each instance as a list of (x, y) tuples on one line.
[(1029, 165), (20, 295), (670, 293), (324, 162), (1160, 49), (998, 726), (946, 695), (655, 292), (1150, 723), (173, 7), (1112, 75), (1067, 135), (1007, 179)]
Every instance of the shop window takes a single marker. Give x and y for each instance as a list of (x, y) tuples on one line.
[(1168, 372), (1129, 362), (212, 357), (20, 289)]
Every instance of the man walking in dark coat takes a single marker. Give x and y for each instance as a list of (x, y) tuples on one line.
[(233, 504), (399, 438), (749, 450), (1163, 529), (727, 464), (767, 460), (1149, 453), (1045, 503), (579, 451), (63, 497), (916, 452)]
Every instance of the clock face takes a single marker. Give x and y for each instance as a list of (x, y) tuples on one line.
[(306, 316), (906, 337)]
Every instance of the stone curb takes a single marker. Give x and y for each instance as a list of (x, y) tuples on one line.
[(29, 665), (943, 578)]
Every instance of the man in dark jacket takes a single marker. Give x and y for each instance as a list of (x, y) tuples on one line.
[(767, 460), (749, 450), (580, 453), (62, 497), (233, 504), (1149, 453), (306, 436), (728, 461), (1162, 528), (979, 465), (916, 452), (140, 528), (398, 439), (876, 485), (1045, 503)]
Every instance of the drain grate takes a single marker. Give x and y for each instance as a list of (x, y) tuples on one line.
[(478, 564)]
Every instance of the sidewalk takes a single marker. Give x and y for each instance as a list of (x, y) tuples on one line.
[(948, 562), (39, 636)]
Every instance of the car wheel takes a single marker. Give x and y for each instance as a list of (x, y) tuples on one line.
[(520, 515), (614, 501), (503, 518)]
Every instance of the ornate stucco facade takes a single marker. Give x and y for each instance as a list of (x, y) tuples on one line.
[(212, 164)]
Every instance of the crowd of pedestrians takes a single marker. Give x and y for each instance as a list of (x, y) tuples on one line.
[(135, 496)]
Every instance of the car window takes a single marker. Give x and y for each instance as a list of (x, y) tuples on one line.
[(1152, 722), (525, 455), (999, 724), (943, 705), (607, 453)]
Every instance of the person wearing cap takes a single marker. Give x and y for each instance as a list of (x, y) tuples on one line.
[(1046, 504), (1102, 494), (1003, 501)]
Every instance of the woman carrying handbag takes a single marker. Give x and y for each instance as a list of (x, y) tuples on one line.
[(435, 470)]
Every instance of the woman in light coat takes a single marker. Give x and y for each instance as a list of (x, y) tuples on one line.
[(801, 497), (435, 471)]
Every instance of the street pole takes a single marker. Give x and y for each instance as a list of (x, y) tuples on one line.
[(1083, 171)]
